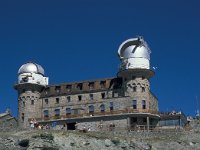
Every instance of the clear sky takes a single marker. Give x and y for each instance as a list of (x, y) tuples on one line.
[(78, 40)]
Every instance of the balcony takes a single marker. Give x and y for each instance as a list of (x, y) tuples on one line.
[(97, 114)]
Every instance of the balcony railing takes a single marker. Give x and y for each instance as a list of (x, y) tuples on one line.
[(97, 114)]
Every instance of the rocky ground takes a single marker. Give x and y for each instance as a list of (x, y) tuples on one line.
[(74, 140)]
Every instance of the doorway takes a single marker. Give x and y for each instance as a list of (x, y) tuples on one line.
[(71, 126)]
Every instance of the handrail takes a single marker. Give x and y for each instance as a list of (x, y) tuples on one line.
[(96, 114)]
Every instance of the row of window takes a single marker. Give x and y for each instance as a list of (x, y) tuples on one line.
[(135, 89), (79, 86), (134, 104), (69, 110), (91, 108), (79, 98)]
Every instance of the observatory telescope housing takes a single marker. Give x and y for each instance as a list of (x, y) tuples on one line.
[(32, 73), (134, 54)]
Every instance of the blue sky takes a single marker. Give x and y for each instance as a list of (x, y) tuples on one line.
[(78, 40)]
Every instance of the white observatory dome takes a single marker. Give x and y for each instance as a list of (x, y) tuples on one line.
[(135, 47), (134, 54), (31, 68), (32, 73)]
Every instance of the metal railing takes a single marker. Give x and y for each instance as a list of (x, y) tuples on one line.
[(97, 114)]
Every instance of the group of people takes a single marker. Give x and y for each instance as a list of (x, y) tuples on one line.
[(35, 125)]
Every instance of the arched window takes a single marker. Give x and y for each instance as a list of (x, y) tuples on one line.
[(91, 109), (143, 89), (102, 107), (68, 111), (46, 113)]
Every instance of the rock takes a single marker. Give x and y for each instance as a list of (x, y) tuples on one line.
[(124, 146), (116, 141), (191, 143), (108, 143), (147, 147), (24, 143), (72, 144), (86, 143), (2, 146)]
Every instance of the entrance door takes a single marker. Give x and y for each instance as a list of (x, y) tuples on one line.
[(71, 126)]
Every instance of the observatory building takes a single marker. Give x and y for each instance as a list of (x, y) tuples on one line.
[(123, 101)]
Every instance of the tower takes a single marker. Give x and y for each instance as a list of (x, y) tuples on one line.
[(135, 71), (31, 81)]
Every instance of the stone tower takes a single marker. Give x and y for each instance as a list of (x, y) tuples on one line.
[(135, 71), (31, 82)]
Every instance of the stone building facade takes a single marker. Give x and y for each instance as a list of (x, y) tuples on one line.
[(7, 121), (123, 101)]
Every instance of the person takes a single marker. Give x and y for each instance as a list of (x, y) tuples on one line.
[(32, 123), (47, 126), (39, 126)]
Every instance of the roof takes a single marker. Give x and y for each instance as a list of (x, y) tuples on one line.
[(4, 114), (85, 86)]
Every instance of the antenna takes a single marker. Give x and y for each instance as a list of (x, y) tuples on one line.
[(197, 107)]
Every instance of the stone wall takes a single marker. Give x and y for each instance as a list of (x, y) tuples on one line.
[(7, 122), (119, 103), (102, 125)]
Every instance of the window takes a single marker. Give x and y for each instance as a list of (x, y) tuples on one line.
[(57, 112), (80, 86), (103, 84), (68, 111), (68, 98), (46, 113), (46, 101), (32, 102), (111, 106), (102, 95), (134, 104), (76, 111), (91, 96), (22, 116), (102, 107), (57, 88), (79, 98), (91, 85), (91, 109), (143, 104), (115, 94), (57, 100), (134, 89), (143, 89), (47, 90), (68, 87), (23, 104)]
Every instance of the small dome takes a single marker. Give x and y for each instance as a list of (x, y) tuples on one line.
[(134, 48), (31, 68)]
